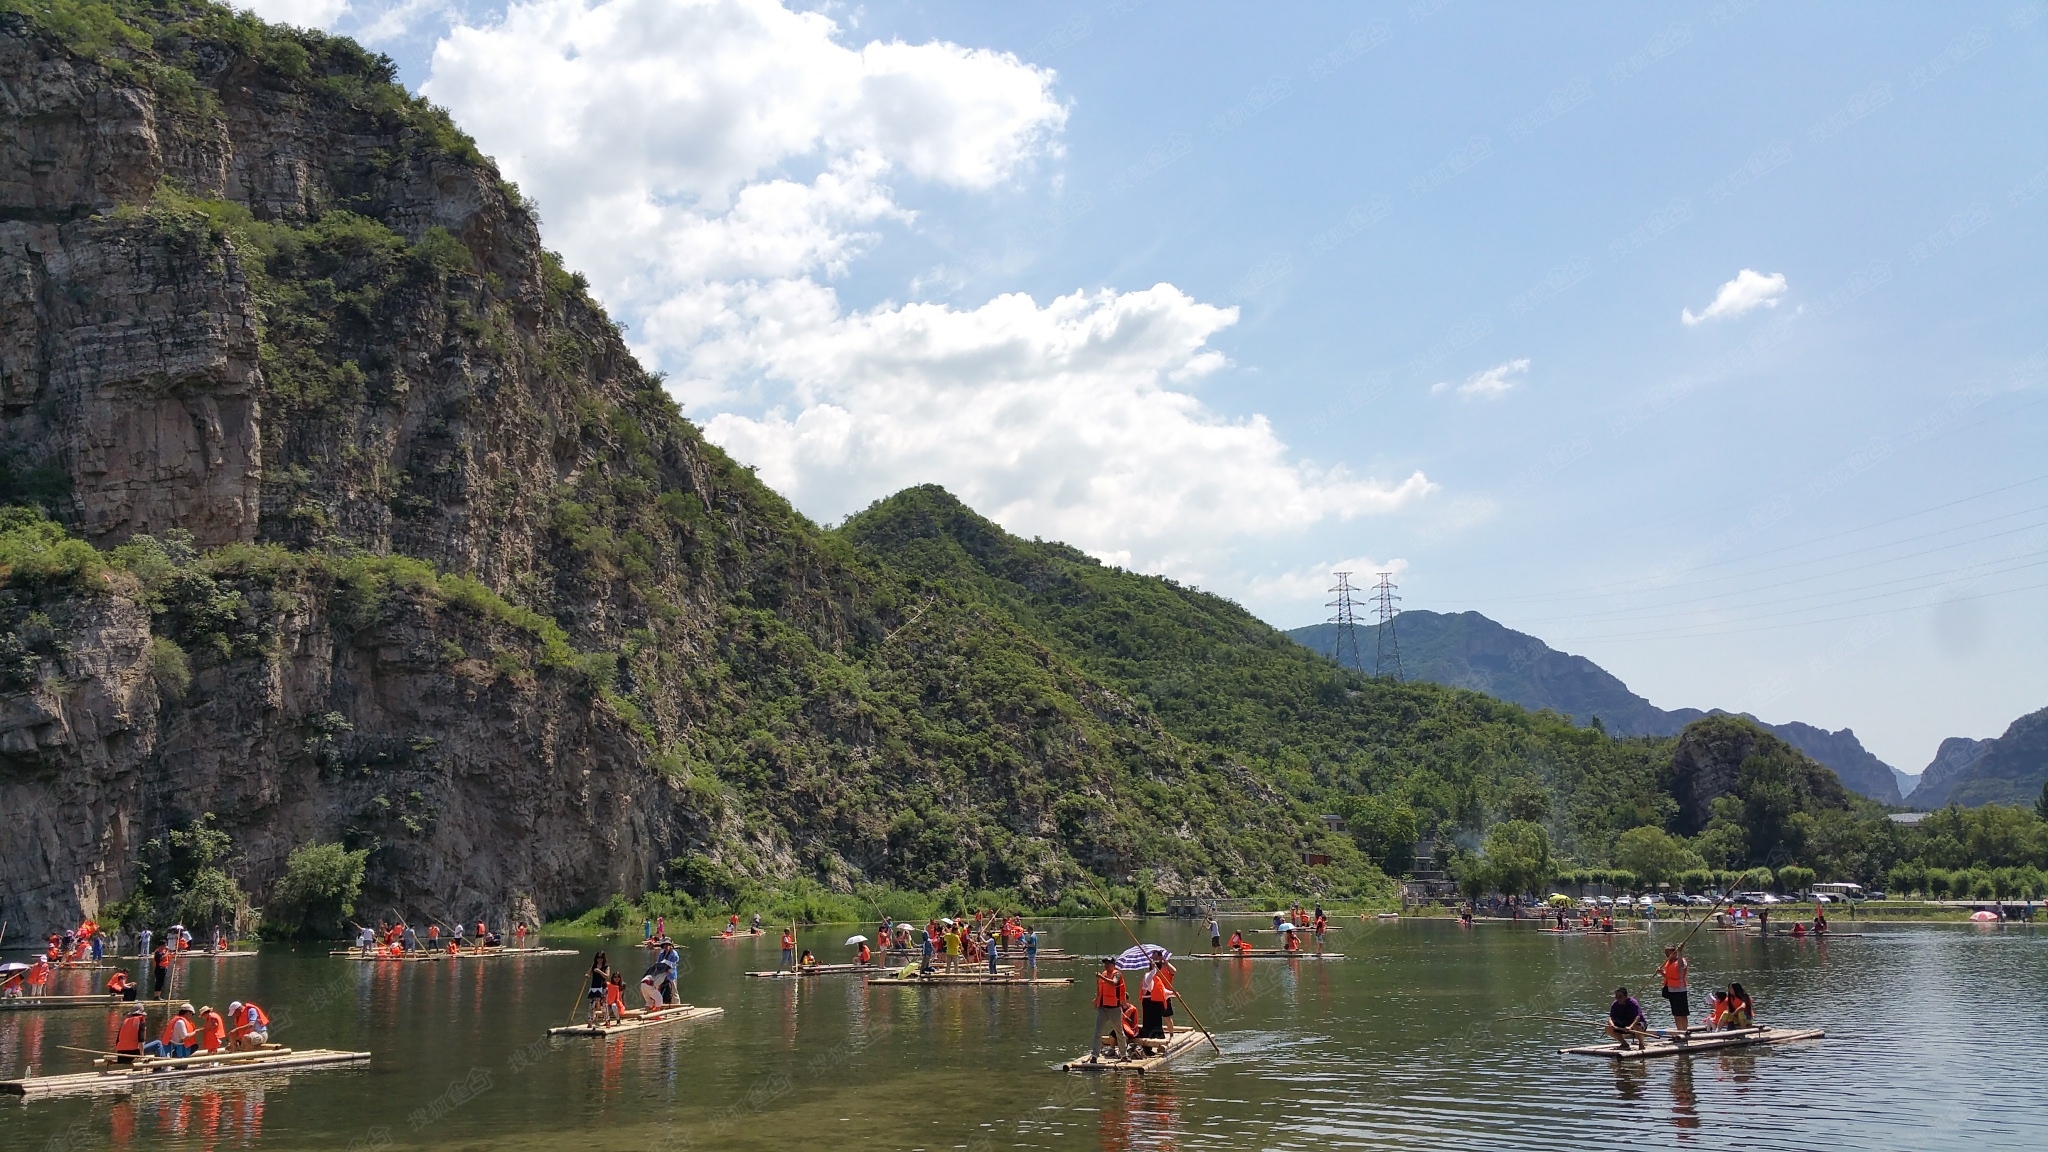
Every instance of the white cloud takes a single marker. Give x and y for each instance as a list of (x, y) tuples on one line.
[(712, 164), (1488, 385), (1749, 291), (1053, 420), (1308, 592), (304, 13)]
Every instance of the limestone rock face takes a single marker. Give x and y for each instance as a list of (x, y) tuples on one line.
[(130, 363)]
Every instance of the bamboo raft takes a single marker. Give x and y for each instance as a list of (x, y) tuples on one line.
[(151, 1072), (489, 953), (35, 1003), (637, 1019), (197, 954), (943, 980), (386, 957), (1258, 954), (816, 970), (1669, 1045), (1176, 1044), (1590, 931)]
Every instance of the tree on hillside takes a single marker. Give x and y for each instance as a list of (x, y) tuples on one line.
[(1385, 830), (1518, 856), (2041, 802), (1654, 855)]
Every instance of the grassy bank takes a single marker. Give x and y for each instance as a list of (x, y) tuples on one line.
[(809, 903)]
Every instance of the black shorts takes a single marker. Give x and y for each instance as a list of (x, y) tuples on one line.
[(1680, 1005)]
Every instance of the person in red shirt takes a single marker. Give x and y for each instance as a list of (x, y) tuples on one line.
[(1111, 998)]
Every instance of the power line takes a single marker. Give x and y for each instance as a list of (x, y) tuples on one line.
[(1594, 591), (1677, 608), (1795, 624)]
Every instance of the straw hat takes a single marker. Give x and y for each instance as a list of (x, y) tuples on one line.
[(185, 1009)]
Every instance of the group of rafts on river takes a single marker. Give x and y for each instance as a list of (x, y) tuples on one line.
[(1132, 1030)]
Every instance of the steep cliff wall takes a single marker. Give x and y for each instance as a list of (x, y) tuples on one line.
[(258, 302)]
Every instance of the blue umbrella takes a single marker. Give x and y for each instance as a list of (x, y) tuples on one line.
[(1138, 957)]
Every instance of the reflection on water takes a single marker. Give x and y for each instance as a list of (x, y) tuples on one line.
[(1411, 1041)]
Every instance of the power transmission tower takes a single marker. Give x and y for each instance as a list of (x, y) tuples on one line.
[(1389, 644), (1346, 621)]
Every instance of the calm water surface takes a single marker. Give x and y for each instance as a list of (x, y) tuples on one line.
[(1934, 1041)]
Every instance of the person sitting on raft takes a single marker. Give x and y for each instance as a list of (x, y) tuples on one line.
[(1293, 941), (1625, 1018), (213, 1031), (1239, 944), (1734, 1008), (120, 987), (807, 960), (863, 956)]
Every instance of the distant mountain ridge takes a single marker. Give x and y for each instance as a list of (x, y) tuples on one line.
[(2009, 769), (1470, 650)]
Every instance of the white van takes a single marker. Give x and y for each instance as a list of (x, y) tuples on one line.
[(1848, 893)]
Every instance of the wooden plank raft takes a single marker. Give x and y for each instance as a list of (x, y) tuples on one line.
[(816, 970), (46, 1003), (1256, 954), (197, 954), (638, 1018), (1176, 1044), (944, 980), (1670, 1045), (488, 953), (388, 958), (152, 1073)]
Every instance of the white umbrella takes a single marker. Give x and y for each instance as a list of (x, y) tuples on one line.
[(852, 940), (13, 967), (1284, 926), (945, 919)]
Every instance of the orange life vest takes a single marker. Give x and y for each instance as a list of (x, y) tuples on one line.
[(1158, 989), (1130, 1019), (1674, 972), (129, 1039), (173, 1027), (1110, 992), (212, 1031)]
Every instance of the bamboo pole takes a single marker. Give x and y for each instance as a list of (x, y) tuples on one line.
[(1111, 905)]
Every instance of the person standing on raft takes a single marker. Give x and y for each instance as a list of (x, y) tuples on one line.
[(1675, 971), (1156, 991), (1111, 997)]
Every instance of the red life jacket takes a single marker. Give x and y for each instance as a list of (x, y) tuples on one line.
[(1130, 1019)]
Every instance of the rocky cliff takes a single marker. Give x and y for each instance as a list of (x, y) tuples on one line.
[(2009, 769), (399, 547)]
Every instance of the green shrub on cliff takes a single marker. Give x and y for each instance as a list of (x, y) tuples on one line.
[(318, 892), (35, 550)]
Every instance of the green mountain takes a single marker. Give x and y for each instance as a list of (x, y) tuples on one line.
[(1468, 650), (1220, 679)]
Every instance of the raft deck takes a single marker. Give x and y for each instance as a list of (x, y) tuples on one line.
[(159, 1072), (637, 1019), (1259, 954), (45, 1003), (817, 970), (1668, 1045), (1176, 1045), (942, 979)]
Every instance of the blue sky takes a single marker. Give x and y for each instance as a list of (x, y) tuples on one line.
[(1401, 286)]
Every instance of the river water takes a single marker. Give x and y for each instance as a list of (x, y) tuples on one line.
[(1934, 1041)]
